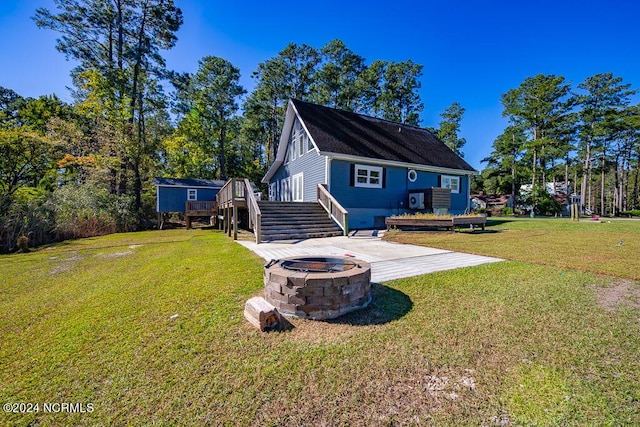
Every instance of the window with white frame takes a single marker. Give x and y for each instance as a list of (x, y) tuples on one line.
[(309, 142), (273, 190), (192, 194), (450, 182), (297, 142), (300, 144), (368, 176), (292, 147), (285, 190), (298, 187)]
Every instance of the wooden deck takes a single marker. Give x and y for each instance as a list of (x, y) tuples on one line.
[(449, 223), (281, 220), (200, 208), (237, 193)]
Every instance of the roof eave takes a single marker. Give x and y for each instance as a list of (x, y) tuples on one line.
[(282, 145), (213, 187), (416, 166), (272, 170)]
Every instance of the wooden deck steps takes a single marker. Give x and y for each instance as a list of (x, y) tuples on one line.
[(295, 220)]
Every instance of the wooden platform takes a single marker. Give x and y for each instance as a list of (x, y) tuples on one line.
[(449, 223), (200, 208)]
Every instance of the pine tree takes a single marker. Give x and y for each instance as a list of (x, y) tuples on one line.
[(449, 128)]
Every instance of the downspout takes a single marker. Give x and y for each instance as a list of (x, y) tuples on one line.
[(327, 173), (468, 193), (406, 193)]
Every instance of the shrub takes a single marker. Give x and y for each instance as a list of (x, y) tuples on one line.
[(26, 215), (633, 212), (69, 212), (83, 211), (542, 201), (506, 211), (23, 243)]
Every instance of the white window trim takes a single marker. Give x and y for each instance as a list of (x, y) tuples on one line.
[(272, 190), (414, 173), (369, 169), (294, 149), (308, 142), (195, 194), (300, 143), (285, 192), (297, 141), (297, 187), (445, 182)]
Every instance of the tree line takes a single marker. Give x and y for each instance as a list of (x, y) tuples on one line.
[(586, 137), (86, 167)]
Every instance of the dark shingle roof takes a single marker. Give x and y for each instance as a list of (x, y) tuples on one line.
[(188, 182), (347, 133)]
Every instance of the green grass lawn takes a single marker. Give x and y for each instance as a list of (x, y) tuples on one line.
[(148, 329), (607, 247)]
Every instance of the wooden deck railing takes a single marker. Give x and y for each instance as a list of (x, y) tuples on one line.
[(238, 192), (195, 208), (201, 207), (339, 214), (233, 189), (255, 216)]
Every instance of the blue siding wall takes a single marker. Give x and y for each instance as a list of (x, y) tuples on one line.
[(430, 179), (312, 165), (390, 197), (174, 199), (365, 204)]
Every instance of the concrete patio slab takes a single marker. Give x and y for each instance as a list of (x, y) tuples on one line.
[(388, 260)]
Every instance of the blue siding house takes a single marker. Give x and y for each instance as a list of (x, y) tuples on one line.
[(374, 168), (172, 194)]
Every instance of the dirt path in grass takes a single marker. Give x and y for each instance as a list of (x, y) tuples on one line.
[(624, 293)]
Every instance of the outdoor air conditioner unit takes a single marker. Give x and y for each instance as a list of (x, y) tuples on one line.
[(416, 200)]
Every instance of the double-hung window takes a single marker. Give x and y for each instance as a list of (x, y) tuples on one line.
[(297, 141), (450, 182), (292, 147), (192, 194), (300, 143), (368, 176), (298, 187), (309, 142)]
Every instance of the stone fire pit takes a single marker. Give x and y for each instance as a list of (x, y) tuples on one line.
[(317, 288)]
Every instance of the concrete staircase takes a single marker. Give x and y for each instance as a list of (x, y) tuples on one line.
[(295, 220)]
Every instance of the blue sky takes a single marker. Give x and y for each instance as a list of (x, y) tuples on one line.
[(472, 51)]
